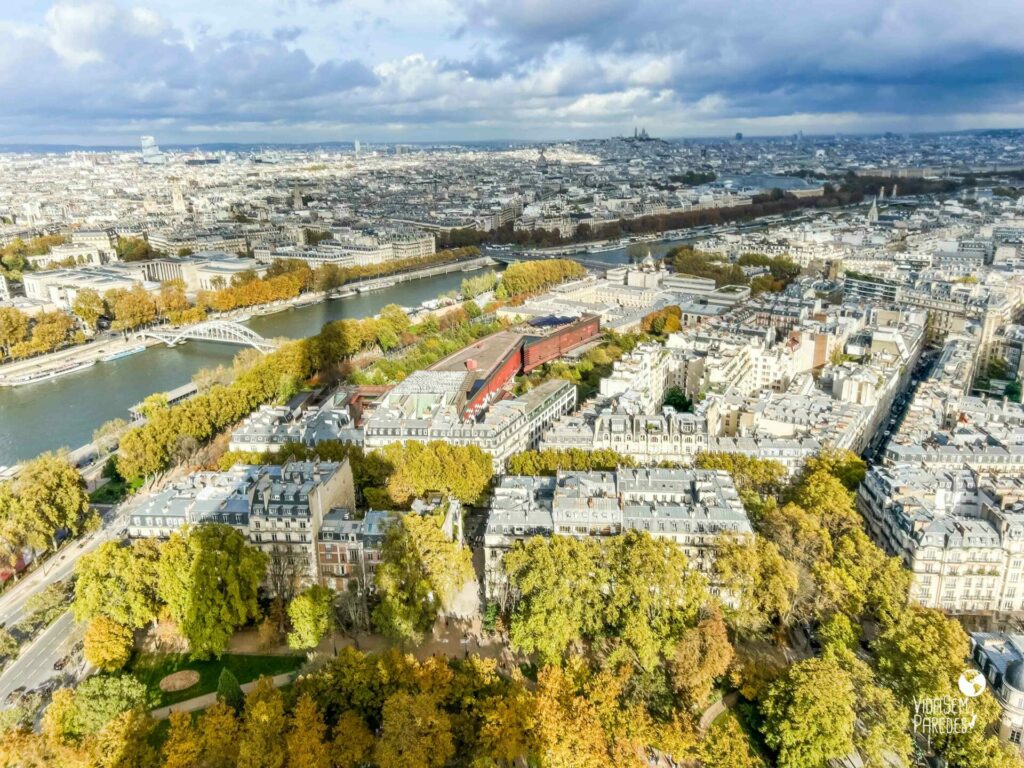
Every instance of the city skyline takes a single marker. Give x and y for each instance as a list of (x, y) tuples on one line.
[(104, 72)]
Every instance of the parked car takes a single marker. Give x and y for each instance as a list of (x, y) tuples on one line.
[(59, 664)]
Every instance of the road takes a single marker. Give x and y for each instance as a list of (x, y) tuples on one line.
[(34, 665)]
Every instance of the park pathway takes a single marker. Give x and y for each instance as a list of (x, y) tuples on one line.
[(711, 713), (202, 702)]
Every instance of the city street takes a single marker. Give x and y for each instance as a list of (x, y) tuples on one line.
[(34, 665)]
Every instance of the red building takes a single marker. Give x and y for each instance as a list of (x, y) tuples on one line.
[(563, 336)]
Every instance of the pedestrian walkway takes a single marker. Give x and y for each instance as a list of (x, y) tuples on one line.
[(202, 702), (711, 713)]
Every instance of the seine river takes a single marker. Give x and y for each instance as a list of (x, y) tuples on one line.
[(65, 411)]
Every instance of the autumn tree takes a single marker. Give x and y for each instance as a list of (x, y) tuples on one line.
[(184, 747), (124, 742), (89, 307), (131, 309), (568, 728), (209, 578), (462, 472), (261, 742), (218, 732), (51, 495), (701, 656), (727, 746), (50, 331), (107, 644), (414, 731), (353, 742), (13, 328), (306, 737)]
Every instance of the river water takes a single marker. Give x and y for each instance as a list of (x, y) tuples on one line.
[(65, 411)]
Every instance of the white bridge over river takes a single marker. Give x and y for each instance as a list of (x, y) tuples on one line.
[(224, 331)]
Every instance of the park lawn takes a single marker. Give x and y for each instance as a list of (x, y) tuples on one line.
[(151, 668), (114, 491)]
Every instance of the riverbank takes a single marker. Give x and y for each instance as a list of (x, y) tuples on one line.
[(92, 352), (64, 411)]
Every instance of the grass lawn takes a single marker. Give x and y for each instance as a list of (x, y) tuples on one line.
[(151, 668), (114, 491)]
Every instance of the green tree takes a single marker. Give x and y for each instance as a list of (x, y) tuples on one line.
[(229, 691), (119, 582), (550, 461), (810, 714), (676, 398), (311, 614), (420, 572), (921, 653), (651, 595), (415, 731), (8, 645), (883, 725), (133, 249), (763, 583), (209, 578), (45, 607), (107, 644), (97, 701), (558, 583)]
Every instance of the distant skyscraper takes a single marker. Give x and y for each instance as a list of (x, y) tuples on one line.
[(739, 136), (357, 146), (151, 153)]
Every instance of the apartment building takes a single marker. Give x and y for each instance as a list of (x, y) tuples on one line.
[(960, 534), (686, 506), (431, 405), (280, 509)]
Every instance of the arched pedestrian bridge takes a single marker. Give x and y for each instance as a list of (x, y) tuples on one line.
[(224, 331)]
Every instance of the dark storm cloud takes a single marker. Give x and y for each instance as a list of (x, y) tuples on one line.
[(589, 67)]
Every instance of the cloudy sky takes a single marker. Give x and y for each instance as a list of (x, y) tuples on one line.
[(105, 71)]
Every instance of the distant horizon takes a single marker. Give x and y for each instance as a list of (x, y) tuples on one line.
[(6, 146)]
